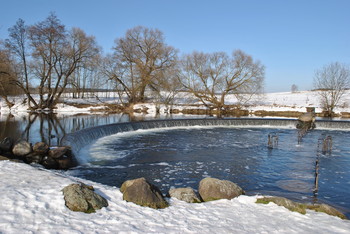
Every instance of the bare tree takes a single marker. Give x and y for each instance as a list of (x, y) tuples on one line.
[(7, 77), (18, 45), (88, 65), (294, 88), (48, 55), (211, 77), (331, 81), (139, 60)]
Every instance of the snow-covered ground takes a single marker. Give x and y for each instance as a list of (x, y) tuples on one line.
[(285, 101), (32, 202)]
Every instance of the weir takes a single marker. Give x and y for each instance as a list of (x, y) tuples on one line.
[(84, 137)]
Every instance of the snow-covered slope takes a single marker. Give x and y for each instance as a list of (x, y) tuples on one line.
[(32, 202)]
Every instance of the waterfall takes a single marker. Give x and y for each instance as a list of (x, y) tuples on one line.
[(85, 137)]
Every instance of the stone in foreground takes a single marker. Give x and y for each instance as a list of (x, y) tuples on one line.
[(143, 193), (80, 197), (214, 189), (300, 207), (184, 194), (22, 148)]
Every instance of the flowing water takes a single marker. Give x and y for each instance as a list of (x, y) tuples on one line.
[(181, 157)]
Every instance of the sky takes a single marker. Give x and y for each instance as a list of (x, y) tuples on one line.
[(292, 38)]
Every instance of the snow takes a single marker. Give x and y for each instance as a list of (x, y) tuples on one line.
[(32, 202), (284, 101)]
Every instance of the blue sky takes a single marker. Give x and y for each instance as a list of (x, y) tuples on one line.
[(292, 38)]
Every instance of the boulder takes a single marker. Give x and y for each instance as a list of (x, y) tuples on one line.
[(65, 162), (34, 158), (6, 144), (300, 207), (79, 197), (22, 148), (184, 194), (281, 201), (143, 193), (3, 158), (214, 189), (326, 209), (41, 148), (58, 152), (307, 117), (49, 163)]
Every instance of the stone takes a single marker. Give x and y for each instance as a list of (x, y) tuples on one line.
[(65, 162), (184, 194), (281, 201), (79, 197), (3, 158), (214, 189), (143, 193), (307, 117), (300, 207), (41, 148), (326, 209), (58, 152), (6, 144), (22, 148), (34, 158), (49, 163)]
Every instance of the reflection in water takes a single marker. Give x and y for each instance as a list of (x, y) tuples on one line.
[(49, 128)]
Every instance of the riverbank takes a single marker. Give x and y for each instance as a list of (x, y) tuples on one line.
[(284, 104)]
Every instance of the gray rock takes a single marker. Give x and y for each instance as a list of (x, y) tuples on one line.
[(184, 194), (307, 117), (143, 193), (80, 197), (214, 189), (41, 148), (6, 144), (22, 148)]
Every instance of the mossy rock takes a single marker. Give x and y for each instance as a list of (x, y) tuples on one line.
[(82, 198), (300, 207)]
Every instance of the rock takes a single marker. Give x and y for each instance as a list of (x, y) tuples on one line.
[(41, 148), (65, 162), (22, 148), (281, 201), (49, 163), (79, 197), (213, 189), (58, 152), (326, 209), (143, 193), (184, 194), (34, 158), (2, 158), (307, 117), (300, 207), (6, 144)]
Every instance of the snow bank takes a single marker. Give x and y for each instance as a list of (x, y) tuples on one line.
[(32, 202), (284, 101)]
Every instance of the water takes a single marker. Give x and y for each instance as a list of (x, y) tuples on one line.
[(181, 157)]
